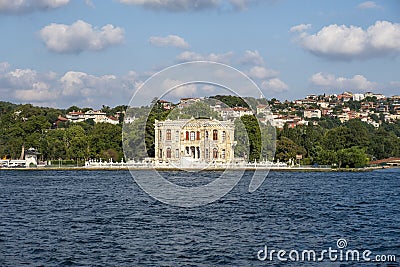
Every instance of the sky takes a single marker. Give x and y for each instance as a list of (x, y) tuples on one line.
[(91, 53)]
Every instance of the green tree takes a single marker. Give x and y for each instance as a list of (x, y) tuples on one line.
[(286, 149), (353, 157), (76, 142), (134, 139), (325, 157), (102, 137), (195, 110), (254, 136), (54, 145), (231, 101), (337, 138), (72, 108), (242, 140)]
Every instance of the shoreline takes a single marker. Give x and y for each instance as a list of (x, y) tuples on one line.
[(276, 169)]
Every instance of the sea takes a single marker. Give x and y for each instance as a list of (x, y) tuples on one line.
[(103, 218)]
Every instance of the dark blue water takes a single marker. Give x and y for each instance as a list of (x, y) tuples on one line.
[(102, 218)]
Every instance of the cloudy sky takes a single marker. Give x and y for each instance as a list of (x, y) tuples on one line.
[(88, 53)]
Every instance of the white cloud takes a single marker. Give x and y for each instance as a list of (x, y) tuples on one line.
[(26, 6), (189, 56), (300, 28), (262, 73), (40, 92), (180, 90), (192, 5), (22, 77), (80, 36), (252, 58), (330, 81), (71, 88), (89, 3), (352, 42), (82, 84), (275, 85), (26, 85), (173, 5), (170, 40), (4, 66), (369, 5), (242, 4), (193, 56), (85, 89)]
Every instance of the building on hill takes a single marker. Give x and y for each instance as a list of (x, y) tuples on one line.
[(358, 97), (60, 119), (76, 116), (193, 141), (345, 96), (96, 115), (111, 119), (312, 113)]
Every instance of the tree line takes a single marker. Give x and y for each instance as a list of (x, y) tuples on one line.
[(329, 142), (30, 126)]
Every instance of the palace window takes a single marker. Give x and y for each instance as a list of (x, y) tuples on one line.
[(159, 134), (187, 135), (215, 134), (198, 135), (192, 136), (168, 153), (207, 156), (223, 135), (168, 135), (176, 153), (223, 154), (206, 135), (215, 153), (176, 136), (160, 153)]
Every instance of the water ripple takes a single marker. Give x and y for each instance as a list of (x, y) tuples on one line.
[(71, 218)]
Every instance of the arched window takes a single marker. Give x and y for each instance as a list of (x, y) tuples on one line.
[(215, 134), (193, 152), (168, 153), (168, 135), (176, 136), (223, 153), (192, 135), (223, 135), (215, 153), (197, 135), (187, 135)]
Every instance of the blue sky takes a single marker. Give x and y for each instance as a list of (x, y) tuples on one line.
[(88, 53)]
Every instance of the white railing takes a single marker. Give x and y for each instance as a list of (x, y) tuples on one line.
[(151, 164)]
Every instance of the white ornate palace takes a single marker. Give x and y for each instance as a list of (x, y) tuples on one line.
[(187, 141)]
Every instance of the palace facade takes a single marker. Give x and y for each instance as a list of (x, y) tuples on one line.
[(194, 140)]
